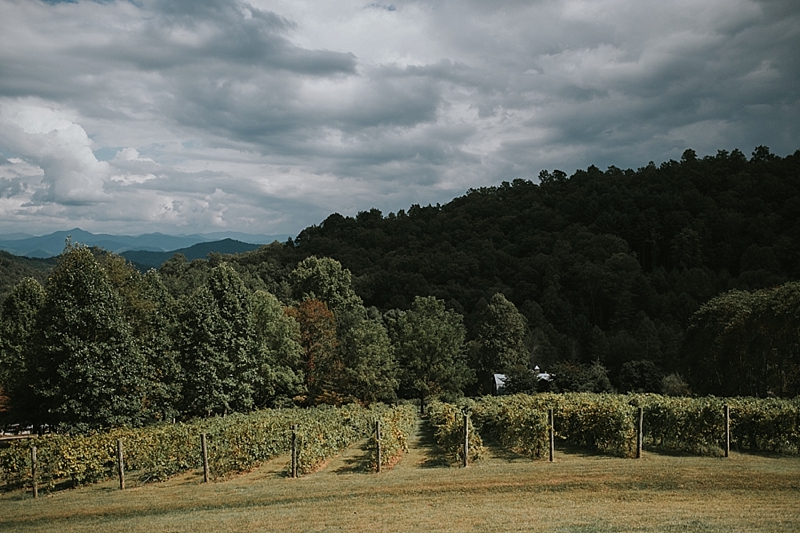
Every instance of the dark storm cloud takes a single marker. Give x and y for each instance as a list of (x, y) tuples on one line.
[(269, 115)]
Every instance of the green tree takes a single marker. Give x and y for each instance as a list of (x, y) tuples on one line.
[(217, 346), (369, 368), (324, 279), (17, 325), (640, 376), (84, 367), (746, 343), (429, 340), (501, 334), (280, 360), (155, 330), (571, 377), (151, 313)]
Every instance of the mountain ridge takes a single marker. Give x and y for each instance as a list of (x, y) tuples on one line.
[(52, 244), (145, 259)]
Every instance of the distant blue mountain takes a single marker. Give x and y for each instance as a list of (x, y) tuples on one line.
[(145, 259), (53, 244)]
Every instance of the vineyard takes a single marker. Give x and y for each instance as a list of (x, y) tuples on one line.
[(604, 423), (236, 443)]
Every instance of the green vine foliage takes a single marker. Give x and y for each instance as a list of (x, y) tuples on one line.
[(236, 443), (397, 423), (607, 422), (601, 422), (691, 425), (448, 423), (513, 423), (697, 425)]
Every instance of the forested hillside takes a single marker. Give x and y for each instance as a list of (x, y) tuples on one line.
[(679, 279), (606, 266), (14, 268)]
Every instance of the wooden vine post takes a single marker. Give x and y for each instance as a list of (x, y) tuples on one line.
[(294, 450), (727, 412), (639, 432), (33, 472), (120, 465), (204, 451), (466, 440), (552, 433), (378, 443)]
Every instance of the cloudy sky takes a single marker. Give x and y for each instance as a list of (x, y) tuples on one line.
[(265, 116)]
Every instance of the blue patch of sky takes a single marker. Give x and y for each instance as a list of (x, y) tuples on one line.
[(106, 153)]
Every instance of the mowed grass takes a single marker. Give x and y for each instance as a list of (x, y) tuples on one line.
[(577, 493)]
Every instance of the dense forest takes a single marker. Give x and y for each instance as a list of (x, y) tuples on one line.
[(678, 278)]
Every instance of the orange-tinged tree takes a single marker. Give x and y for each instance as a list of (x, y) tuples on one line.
[(318, 339)]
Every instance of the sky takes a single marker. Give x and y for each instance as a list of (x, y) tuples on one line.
[(266, 116)]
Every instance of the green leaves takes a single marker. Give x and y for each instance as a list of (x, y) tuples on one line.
[(430, 345), (747, 343), (500, 339), (448, 423), (237, 443), (85, 369), (217, 347)]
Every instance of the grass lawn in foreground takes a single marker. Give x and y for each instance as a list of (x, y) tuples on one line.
[(577, 493)]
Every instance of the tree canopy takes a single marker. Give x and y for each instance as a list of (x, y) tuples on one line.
[(678, 277)]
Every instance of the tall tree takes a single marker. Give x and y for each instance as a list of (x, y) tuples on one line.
[(746, 344), (217, 347), (320, 354), (280, 359), (150, 311), (500, 339), (324, 279), (369, 368), (17, 325), (85, 369), (430, 345)]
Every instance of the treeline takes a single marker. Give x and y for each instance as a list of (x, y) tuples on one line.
[(102, 345), (676, 279), (607, 267)]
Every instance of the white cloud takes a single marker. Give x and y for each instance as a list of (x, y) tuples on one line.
[(267, 115), (46, 136)]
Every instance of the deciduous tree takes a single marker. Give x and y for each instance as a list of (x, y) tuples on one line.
[(84, 366), (430, 345)]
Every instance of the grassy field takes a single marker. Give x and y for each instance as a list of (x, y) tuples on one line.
[(577, 493)]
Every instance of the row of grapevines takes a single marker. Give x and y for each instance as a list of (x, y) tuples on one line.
[(328, 432), (697, 425), (769, 425), (155, 453), (513, 422), (236, 443), (448, 430), (397, 424), (602, 422), (606, 422), (693, 425)]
